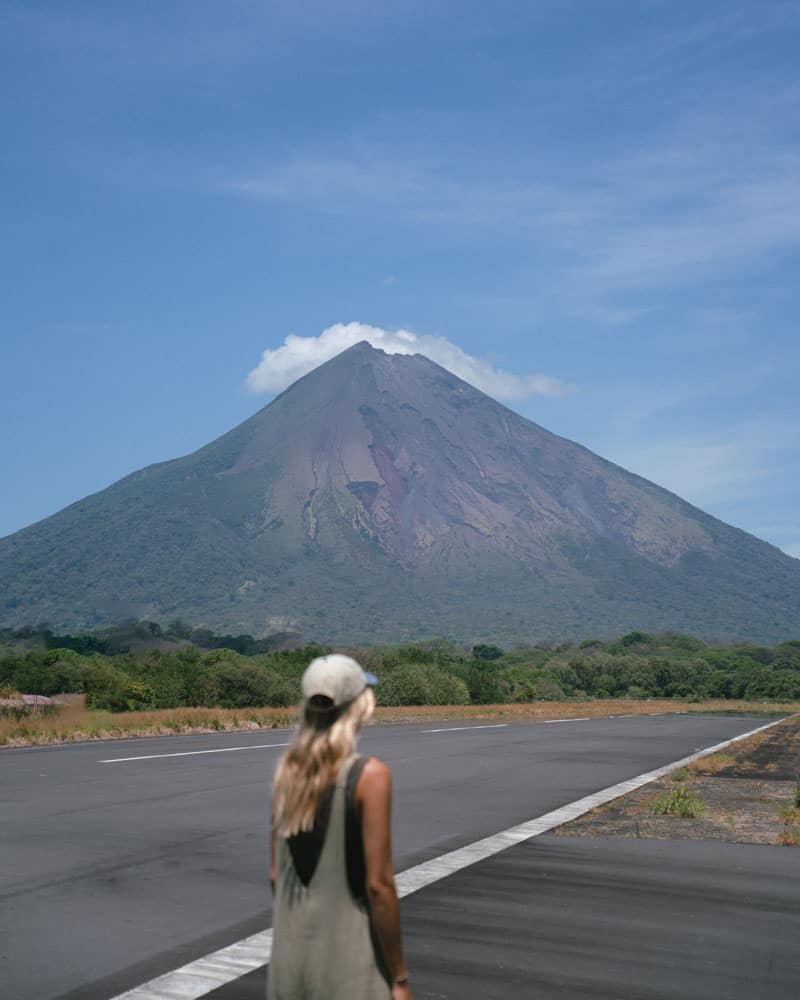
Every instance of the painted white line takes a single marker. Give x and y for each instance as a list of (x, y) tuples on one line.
[(203, 976), (582, 718), (197, 979), (192, 753), (462, 729)]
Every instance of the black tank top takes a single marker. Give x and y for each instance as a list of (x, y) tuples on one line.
[(306, 847)]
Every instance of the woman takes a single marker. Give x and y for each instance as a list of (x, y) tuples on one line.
[(336, 922)]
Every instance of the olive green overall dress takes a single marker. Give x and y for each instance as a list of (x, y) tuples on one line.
[(321, 944)]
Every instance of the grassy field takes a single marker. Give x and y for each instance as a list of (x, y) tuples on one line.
[(74, 723)]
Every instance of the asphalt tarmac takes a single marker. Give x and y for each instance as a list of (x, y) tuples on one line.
[(575, 918), (116, 870)]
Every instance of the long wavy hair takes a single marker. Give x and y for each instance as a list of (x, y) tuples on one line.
[(326, 738)]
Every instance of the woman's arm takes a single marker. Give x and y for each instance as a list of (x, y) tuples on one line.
[(373, 799)]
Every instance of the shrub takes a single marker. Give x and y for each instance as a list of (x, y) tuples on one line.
[(411, 654), (245, 685), (681, 801), (548, 690), (483, 685), (56, 671), (517, 684), (636, 639), (413, 684), (484, 652), (222, 655), (203, 690), (115, 691)]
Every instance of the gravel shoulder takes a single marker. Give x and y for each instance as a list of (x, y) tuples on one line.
[(744, 794)]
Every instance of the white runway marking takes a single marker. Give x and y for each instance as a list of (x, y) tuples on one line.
[(199, 978), (582, 718), (192, 753), (462, 729)]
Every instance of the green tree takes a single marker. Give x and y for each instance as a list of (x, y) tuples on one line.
[(415, 684), (484, 652)]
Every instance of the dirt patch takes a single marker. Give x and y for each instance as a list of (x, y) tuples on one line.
[(774, 758), (746, 793)]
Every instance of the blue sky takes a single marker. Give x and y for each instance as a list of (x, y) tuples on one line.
[(593, 205)]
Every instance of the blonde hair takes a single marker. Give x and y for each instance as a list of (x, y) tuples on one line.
[(325, 740)]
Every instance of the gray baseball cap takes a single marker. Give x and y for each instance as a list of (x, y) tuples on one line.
[(337, 677)]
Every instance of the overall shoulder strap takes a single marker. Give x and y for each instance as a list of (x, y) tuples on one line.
[(344, 770)]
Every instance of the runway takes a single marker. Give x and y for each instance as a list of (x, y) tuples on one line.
[(128, 859), (574, 918)]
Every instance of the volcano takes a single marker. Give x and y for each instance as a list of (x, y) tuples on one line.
[(381, 498)]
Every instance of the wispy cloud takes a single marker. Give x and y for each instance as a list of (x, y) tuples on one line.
[(329, 183), (298, 355), (700, 469), (674, 216), (714, 469), (712, 193), (678, 232)]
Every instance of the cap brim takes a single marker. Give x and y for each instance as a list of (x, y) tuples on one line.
[(371, 679)]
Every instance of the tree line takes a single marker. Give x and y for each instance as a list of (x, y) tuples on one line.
[(637, 665)]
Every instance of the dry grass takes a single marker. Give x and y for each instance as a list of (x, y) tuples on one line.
[(789, 814), (541, 711), (711, 765), (741, 752), (74, 723)]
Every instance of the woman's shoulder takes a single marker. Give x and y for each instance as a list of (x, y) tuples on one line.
[(374, 776), (373, 765)]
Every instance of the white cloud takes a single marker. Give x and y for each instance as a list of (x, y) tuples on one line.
[(299, 355)]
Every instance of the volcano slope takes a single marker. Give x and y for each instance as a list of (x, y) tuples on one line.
[(381, 498)]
